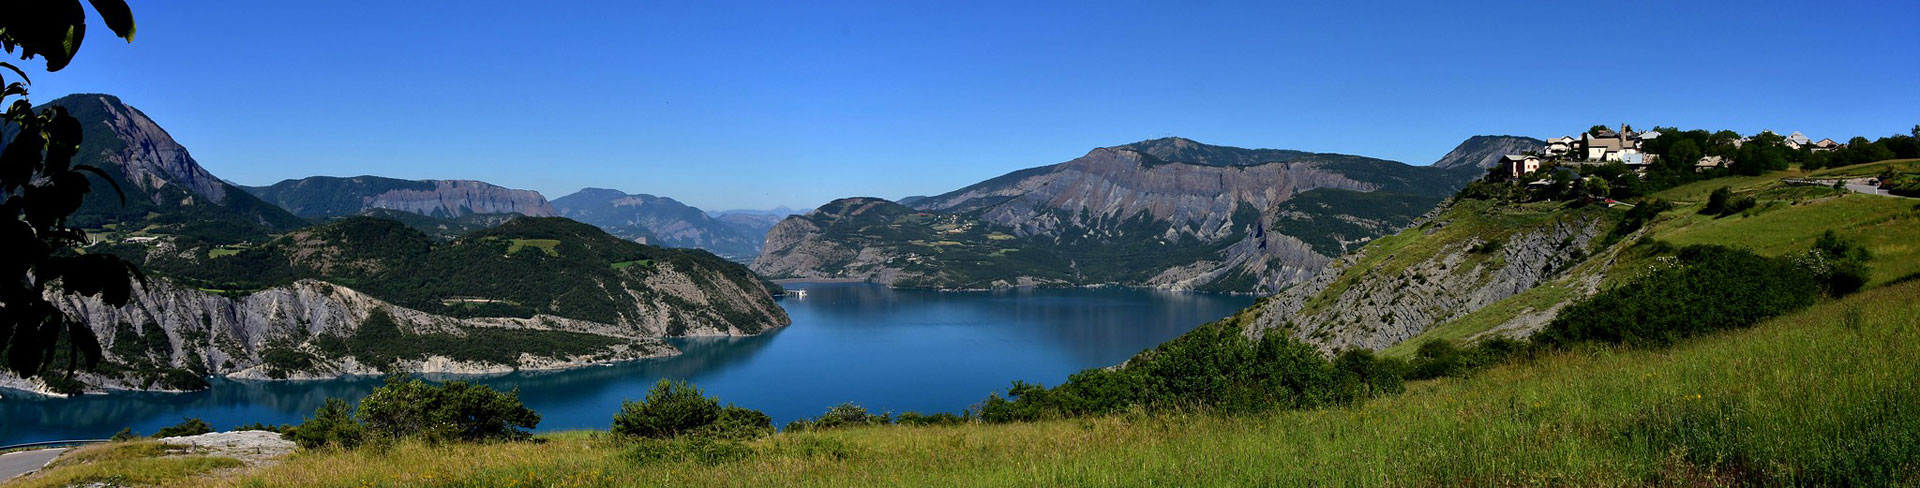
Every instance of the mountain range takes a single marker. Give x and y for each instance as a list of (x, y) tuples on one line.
[(667, 222), (1170, 213)]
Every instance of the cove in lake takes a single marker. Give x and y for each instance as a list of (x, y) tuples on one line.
[(884, 349)]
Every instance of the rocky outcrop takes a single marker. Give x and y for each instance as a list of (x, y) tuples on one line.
[(1364, 300), (812, 246), (214, 334)]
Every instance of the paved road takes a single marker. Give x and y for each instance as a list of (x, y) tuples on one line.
[(18, 463)]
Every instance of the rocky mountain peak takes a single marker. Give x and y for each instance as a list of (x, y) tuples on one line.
[(146, 154), (1485, 151)]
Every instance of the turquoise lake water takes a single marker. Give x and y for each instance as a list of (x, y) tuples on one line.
[(884, 349)]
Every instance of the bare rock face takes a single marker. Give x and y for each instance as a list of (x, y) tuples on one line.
[(454, 198), (150, 158), (1383, 306), (233, 336)]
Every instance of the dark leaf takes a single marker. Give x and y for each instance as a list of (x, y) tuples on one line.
[(16, 70), (21, 159), (117, 16), (81, 344), (103, 176)]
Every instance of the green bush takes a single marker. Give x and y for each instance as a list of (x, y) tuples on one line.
[(455, 411), (842, 415), (739, 423), (1717, 201), (1213, 367), (332, 425), (1441, 358), (1840, 265), (1374, 376), (1710, 288), (941, 418), (186, 427), (262, 427), (671, 409)]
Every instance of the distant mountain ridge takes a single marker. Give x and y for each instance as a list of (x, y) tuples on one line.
[(329, 196), (665, 221), (1170, 213)]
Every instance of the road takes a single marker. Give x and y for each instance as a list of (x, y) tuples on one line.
[(14, 464)]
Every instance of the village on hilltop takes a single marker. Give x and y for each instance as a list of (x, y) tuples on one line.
[(1602, 145)]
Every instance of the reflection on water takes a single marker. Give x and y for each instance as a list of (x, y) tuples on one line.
[(885, 349)]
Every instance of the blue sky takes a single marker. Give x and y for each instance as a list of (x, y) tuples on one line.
[(751, 105)]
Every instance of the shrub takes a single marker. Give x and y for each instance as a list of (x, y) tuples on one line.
[(1638, 217), (1213, 366), (1440, 358), (1374, 376), (186, 427), (262, 427), (1713, 288), (941, 418), (455, 410), (739, 423), (1717, 201), (332, 425), (125, 434), (671, 409), (1840, 265), (842, 415)]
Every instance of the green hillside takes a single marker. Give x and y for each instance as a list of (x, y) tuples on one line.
[(523, 267), (1785, 218)]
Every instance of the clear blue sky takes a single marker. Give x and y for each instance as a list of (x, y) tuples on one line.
[(728, 105)]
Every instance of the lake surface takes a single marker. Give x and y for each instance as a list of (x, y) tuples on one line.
[(887, 350)]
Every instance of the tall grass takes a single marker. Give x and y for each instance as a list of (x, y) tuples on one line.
[(1825, 396)]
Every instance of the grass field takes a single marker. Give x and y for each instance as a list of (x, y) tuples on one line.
[(549, 246), (644, 263), (125, 463), (1823, 396)]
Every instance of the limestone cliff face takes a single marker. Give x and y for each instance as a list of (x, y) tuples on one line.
[(226, 336), (1393, 291), (455, 198), (328, 196)]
